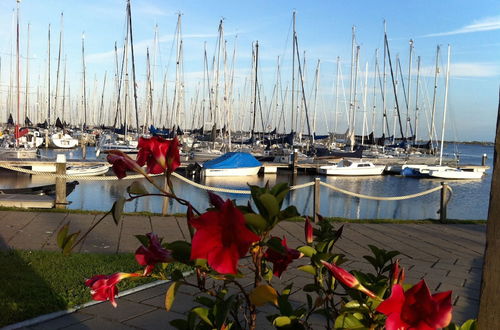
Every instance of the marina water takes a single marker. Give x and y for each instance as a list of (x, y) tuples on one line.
[(469, 198)]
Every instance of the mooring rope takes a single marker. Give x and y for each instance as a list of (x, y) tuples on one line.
[(224, 190), (391, 198)]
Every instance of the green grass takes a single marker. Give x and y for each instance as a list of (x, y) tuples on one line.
[(40, 282)]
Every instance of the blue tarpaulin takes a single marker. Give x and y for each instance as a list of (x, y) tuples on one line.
[(232, 160)]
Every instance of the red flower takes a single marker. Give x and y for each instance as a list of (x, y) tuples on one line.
[(416, 308), (159, 154), (103, 287), (281, 259), (347, 278), (222, 238), (398, 274), (308, 229), (152, 254), (122, 163)]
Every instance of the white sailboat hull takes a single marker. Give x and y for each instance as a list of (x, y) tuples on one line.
[(347, 168), (240, 171), (455, 174)]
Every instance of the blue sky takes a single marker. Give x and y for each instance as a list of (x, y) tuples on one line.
[(472, 28)]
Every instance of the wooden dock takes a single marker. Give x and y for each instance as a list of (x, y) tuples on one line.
[(27, 201)]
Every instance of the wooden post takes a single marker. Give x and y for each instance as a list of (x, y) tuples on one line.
[(46, 138), (317, 196), (164, 209), (442, 204), (83, 144), (489, 313), (61, 200), (483, 160), (294, 161)]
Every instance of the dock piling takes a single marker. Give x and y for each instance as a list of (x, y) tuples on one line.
[(443, 201), (61, 200), (316, 208)]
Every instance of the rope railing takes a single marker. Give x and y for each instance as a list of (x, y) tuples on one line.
[(225, 190), (389, 198)]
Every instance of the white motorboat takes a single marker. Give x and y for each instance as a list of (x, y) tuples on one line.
[(351, 168), (87, 170), (113, 142)]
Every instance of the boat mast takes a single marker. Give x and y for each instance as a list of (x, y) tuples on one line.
[(293, 73), (84, 91), (446, 87), (256, 86), (18, 74), (48, 78), (365, 108), (416, 99), (337, 95), (26, 101), (408, 104), (436, 72), (129, 14), (58, 67), (385, 123)]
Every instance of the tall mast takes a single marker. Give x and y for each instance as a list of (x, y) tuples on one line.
[(384, 89), (352, 80), (129, 13), (365, 108), (18, 71), (446, 84), (48, 78), (293, 73), (316, 97), (58, 66), (26, 101), (337, 95), (409, 94), (84, 86), (416, 99), (256, 86), (64, 90), (436, 72)]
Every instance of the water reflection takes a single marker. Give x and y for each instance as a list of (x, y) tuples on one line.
[(469, 199)]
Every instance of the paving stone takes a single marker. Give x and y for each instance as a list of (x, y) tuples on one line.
[(99, 323), (147, 293), (168, 228), (131, 226), (157, 319), (13, 223), (62, 322), (124, 311)]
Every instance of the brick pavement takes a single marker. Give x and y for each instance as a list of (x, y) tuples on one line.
[(449, 257)]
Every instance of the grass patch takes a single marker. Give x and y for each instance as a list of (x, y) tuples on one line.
[(40, 282)]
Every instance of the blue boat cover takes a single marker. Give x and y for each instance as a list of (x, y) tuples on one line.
[(232, 160)]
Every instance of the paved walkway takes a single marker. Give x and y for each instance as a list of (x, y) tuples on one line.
[(449, 257)]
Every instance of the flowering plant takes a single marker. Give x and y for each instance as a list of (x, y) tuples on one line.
[(237, 263)]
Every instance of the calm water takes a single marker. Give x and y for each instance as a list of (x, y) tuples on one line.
[(469, 200)]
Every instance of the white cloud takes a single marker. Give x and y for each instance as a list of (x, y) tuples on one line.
[(465, 70), (484, 24)]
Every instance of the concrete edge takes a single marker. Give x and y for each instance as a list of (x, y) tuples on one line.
[(54, 315)]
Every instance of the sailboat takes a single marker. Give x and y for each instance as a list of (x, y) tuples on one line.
[(12, 146), (446, 172)]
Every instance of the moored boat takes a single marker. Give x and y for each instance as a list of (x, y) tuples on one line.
[(351, 168), (232, 164)]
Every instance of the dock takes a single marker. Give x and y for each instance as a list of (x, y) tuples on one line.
[(27, 201), (447, 256)]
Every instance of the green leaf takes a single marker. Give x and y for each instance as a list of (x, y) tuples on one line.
[(180, 324), (117, 209), (61, 235), (181, 251), (308, 251), (69, 242), (271, 204), (205, 301), (137, 188), (256, 221), (284, 305), (176, 275), (311, 287), (282, 321), (275, 244), (469, 325), (170, 296), (308, 269), (263, 294), (222, 313), (143, 239), (348, 321), (202, 313), (289, 212)]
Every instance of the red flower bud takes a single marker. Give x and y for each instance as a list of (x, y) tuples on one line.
[(152, 254), (308, 229), (347, 278), (122, 163)]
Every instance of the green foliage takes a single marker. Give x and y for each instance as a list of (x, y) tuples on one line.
[(45, 282)]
